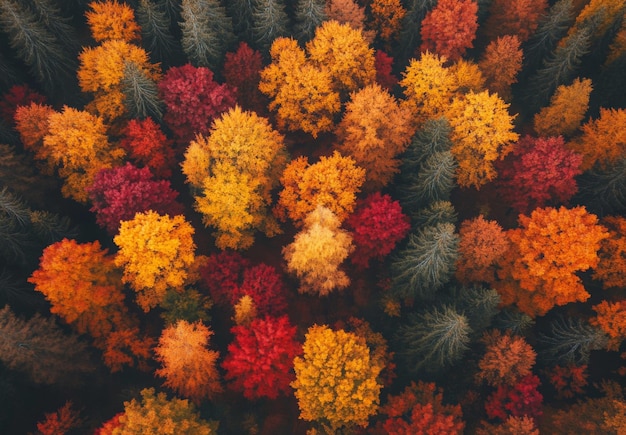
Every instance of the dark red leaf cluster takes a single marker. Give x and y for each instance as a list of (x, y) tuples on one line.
[(242, 73), (18, 95), (384, 77), (521, 399)]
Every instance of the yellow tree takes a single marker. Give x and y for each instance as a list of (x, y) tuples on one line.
[(332, 182), (317, 252), (373, 131), (566, 111), (112, 20), (188, 366), (301, 94), (76, 143), (155, 252), (387, 19), (336, 379), (233, 172), (482, 131)]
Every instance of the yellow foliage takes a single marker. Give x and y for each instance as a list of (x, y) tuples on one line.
[(112, 20), (77, 144), (566, 111), (155, 252), (336, 380), (607, 10), (317, 252), (387, 15), (482, 132), (467, 76), (245, 310)]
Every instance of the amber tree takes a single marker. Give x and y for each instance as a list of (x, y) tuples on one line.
[(566, 111), (450, 28)]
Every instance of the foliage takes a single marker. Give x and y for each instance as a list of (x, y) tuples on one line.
[(518, 400), (270, 21), (188, 367), (117, 194), (16, 96), (602, 190), (568, 380), (500, 64), (156, 36), (260, 359), (265, 286), (387, 18), (192, 100), (332, 182), (479, 304), (611, 318), (570, 341), (19, 175), (158, 414), (222, 274), (147, 146), (309, 14), (189, 305), (31, 122), (539, 172), (612, 265), (512, 426), (507, 358), (377, 225), (384, 75), (61, 421), (317, 252), (349, 12), (245, 311), (109, 19), (566, 111), (437, 212), (155, 252), (449, 28), (336, 378), (518, 18), (141, 95), (242, 71)]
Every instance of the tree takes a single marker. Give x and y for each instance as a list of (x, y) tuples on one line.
[(266, 288), (141, 95), (117, 194), (603, 141), (434, 181), (188, 366), (500, 64), (449, 28), (351, 13), (570, 341), (147, 146), (419, 410), (317, 252), (602, 190), (234, 171), (156, 36), (309, 16), (518, 400), (426, 263), (336, 379), (189, 305), (411, 25), (61, 421), (31, 122), (611, 318), (478, 303), (566, 111), (539, 172), (377, 225), (241, 12), (109, 19), (270, 21), (536, 273), (193, 99), (568, 380), (155, 252), (384, 75), (260, 358), (506, 360), (482, 131), (207, 32), (373, 131), (434, 340), (481, 243), (242, 71), (77, 144), (519, 18), (16, 96), (222, 274), (300, 93), (155, 413), (51, 15), (611, 268), (387, 18)]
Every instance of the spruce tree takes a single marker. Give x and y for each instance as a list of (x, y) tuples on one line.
[(434, 340), (433, 137), (570, 341), (141, 94), (156, 36), (52, 18), (270, 21), (242, 12), (434, 213), (479, 304), (434, 181), (18, 175), (603, 190), (309, 15), (514, 320), (411, 26), (427, 262)]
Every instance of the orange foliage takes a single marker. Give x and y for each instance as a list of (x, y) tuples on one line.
[(188, 366), (126, 347), (60, 422), (333, 182), (373, 131), (112, 20), (349, 12), (512, 426), (387, 18), (514, 18), (450, 28), (603, 140), (566, 111), (611, 269), (569, 380), (611, 318), (500, 63), (537, 272), (507, 359), (31, 122), (482, 243)]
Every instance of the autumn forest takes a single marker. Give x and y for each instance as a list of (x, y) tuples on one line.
[(320, 217)]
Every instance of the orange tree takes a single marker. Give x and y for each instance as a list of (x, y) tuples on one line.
[(566, 111), (112, 20), (611, 269)]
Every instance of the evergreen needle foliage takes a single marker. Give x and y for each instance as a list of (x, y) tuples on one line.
[(514, 320), (603, 191), (570, 341), (309, 15), (270, 21), (141, 94), (156, 36), (435, 213)]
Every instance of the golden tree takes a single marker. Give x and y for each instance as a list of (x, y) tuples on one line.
[(109, 19), (566, 111)]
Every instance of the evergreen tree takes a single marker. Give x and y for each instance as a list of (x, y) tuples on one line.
[(156, 36), (9, 74), (309, 15), (434, 181), (437, 212), (570, 341), (603, 190), (479, 304), (141, 94), (512, 319), (207, 32), (433, 137), (270, 21), (427, 263), (242, 12), (434, 340), (411, 25), (17, 173), (48, 13), (17, 292)]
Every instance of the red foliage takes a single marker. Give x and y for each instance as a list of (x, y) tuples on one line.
[(117, 194), (377, 225), (59, 422), (539, 172), (242, 72), (450, 28), (384, 77), (521, 399), (110, 425), (265, 286), (18, 95), (260, 359), (148, 146), (569, 380), (192, 100), (222, 274)]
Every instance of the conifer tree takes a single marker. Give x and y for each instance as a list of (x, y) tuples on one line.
[(141, 94), (411, 25), (435, 213), (603, 190), (156, 36), (207, 32), (270, 22), (18, 174), (434, 340), (433, 137), (479, 304), (242, 13), (48, 13), (434, 182), (309, 15), (427, 263), (570, 341)]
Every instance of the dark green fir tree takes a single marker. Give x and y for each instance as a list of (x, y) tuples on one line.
[(156, 36), (270, 22), (512, 319), (309, 15), (433, 214), (48, 13), (141, 94), (570, 341), (603, 190), (416, 10), (434, 181), (242, 12)]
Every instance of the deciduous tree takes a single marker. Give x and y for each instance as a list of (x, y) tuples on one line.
[(242, 71), (518, 18), (31, 122), (566, 111), (60, 422), (518, 400), (611, 318), (500, 64), (147, 146), (387, 18), (109, 19), (507, 359), (449, 28), (611, 268)]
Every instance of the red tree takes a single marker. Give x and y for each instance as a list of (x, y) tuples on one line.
[(18, 95), (265, 286), (117, 194), (260, 359), (377, 225), (521, 399), (384, 77), (192, 100), (242, 72), (514, 18), (222, 274), (539, 172), (148, 146)]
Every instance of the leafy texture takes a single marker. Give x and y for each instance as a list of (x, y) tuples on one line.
[(611, 269), (501, 63), (566, 111), (611, 318), (514, 18), (147, 146), (507, 359), (449, 28), (112, 20), (387, 18), (518, 400), (270, 21), (242, 71), (61, 421)]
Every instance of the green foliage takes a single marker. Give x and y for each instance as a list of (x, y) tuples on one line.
[(603, 190), (427, 263), (242, 11), (270, 21), (48, 13), (434, 181), (309, 15), (156, 36), (570, 341), (188, 304), (141, 94), (510, 318), (435, 213), (479, 304), (432, 138), (434, 340)]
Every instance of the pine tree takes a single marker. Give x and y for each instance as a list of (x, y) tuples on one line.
[(570, 341), (156, 36), (16, 244), (270, 21), (434, 181), (434, 137), (207, 32), (141, 94), (510, 318), (411, 25), (242, 12), (434, 340), (479, 304), (433, 214), (18, 174), (48, 13), (309, 15), (603, 191), (427, 263)]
